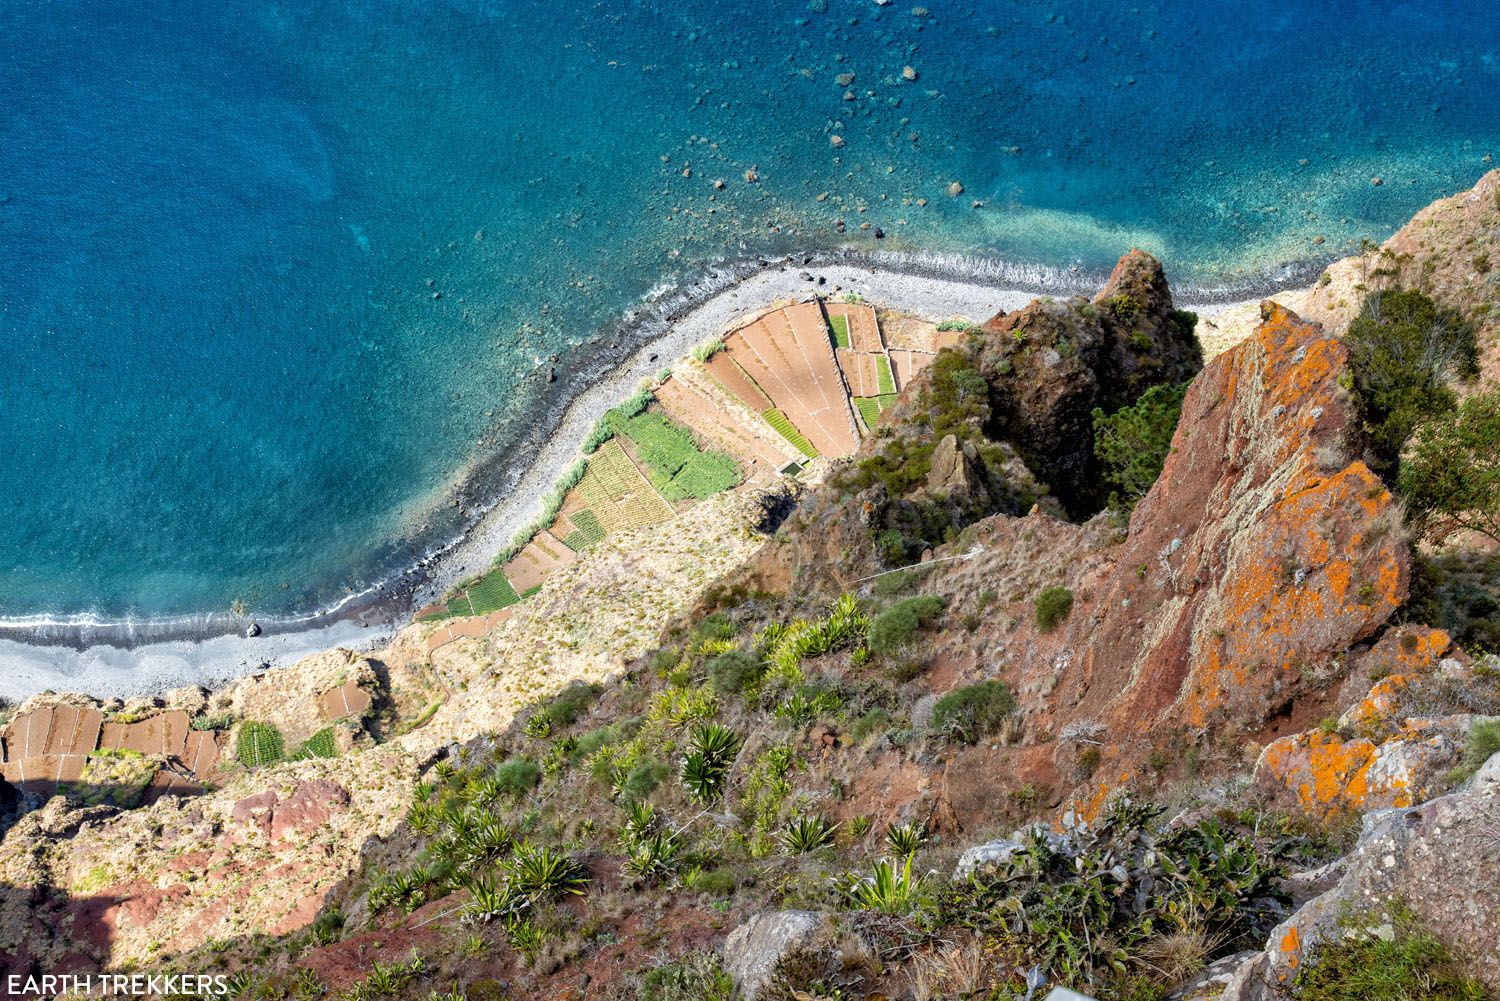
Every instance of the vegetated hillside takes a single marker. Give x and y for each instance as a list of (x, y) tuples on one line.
[(820, 779)]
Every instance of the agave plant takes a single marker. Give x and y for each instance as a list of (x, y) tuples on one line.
[(541, 872), (846, 622), (490, 901), (905, 840), (807, 834), (486, 844), (703, 778), (890, 889), (716, 743), (640, 820), (706, 765), (653, 857)]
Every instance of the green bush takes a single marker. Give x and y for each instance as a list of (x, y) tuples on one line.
[(1088, 911), (967, 714), (870, 723), (734, 672), (1458, 591), (259, 744), (1052, 607), (1451, 476), (1412, 966), (698, 976), (1403, 350), (894, 627), (642, 780), (1132, 443), (567, 705), (515, 777), (1483, 742)]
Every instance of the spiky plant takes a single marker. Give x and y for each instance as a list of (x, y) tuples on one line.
[(640, 820), (905, 840), (491, 901), (716, 743), (653, 857), (890, 889), (807, 834), (540, 872), (704, 779), (486, 844)]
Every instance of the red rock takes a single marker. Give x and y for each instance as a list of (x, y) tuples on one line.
[(309, 808), (255, 811)]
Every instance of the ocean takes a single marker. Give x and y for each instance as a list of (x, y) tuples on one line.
[(276, 278)]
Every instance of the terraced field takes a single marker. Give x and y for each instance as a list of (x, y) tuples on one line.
[(794, 384)]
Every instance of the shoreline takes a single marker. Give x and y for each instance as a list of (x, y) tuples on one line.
[(105, 658)]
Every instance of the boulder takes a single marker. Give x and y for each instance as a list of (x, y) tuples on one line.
[(1438, 859), (772, 943)]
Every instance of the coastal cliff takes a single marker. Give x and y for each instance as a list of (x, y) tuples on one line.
[(1056, 654)]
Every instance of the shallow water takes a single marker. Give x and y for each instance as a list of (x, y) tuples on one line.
[(270, 275)]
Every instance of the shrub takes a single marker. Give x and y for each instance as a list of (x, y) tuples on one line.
[(1460, 592), (1132, 443), (1403, 349), (516, 777), (1052, 607), (870, 723), (1451, 476), (1411, 966), (734, 672), (968, 714), (567, 705), (1483, 742), (642, 780), (892, 628), (698, 976), (259, 744)]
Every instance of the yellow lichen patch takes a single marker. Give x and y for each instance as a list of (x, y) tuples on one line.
[(1291, 947), (1328, 774)]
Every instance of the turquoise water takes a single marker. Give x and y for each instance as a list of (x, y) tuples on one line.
[(271, 275)]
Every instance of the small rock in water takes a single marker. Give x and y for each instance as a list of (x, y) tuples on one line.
[(252, 630), (837, 142), (844, 79), (752, 175), (718, 185), (687, 172), (907, 73), (955, 189), (1377, 181)]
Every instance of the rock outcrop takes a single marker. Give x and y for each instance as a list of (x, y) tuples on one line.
[(1050, 364), (1259, 559), (1438, 859)]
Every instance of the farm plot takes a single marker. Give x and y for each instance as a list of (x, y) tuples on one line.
[(678, 468), (789, 356), (712, 413), (857, 321), (617, 494), (787, 430)]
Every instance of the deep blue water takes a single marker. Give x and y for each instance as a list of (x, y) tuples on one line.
[(270, 272)]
